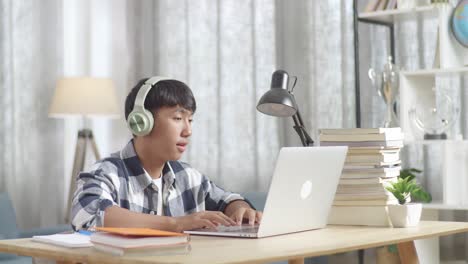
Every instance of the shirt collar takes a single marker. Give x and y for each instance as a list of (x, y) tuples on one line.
[(141, 179)]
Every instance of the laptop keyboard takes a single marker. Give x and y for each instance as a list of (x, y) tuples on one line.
[(236, 229)]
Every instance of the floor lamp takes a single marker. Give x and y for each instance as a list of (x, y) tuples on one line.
[(85, 98)]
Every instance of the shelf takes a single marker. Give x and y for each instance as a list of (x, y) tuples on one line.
[(432, 142), (432, 72), (388, 16), (442, 206)]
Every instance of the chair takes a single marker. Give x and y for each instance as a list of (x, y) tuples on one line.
[(9, 230)]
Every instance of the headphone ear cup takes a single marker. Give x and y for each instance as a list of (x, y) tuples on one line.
[(150, 119), (140, 123)]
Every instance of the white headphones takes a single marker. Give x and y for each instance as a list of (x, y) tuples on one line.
[(140, 121)]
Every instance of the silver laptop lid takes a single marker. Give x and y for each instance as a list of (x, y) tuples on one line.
[(302, 189)]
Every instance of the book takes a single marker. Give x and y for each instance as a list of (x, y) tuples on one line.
[(372, 150), (376, 202), (388, 143), (122, 241), (363, 196), (370, 170), (144, 232), (137, 237), (382, 5), (371, 5), (364, 174), (359, 215), (374, 158), (365, 181), (360, 131), (391, 4), (370, 165), (365, 186), (177, 249), (73, 240), (361, 137), (351, 193)]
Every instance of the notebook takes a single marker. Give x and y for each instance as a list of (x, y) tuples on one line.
[(300, 196), (140, 241), (73, 240)]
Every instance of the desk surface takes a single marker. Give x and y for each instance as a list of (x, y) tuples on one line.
[(333, 239)]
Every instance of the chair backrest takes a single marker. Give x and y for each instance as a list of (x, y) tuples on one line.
[(8, 227)]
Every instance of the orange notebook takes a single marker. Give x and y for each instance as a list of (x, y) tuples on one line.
[(143, 232)]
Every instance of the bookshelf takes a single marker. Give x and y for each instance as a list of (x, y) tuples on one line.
[(440, 205), (435, 72), (416, 87), (389, 16)]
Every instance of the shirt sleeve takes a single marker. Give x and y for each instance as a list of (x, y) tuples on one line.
[(94, 193), (216, 198)]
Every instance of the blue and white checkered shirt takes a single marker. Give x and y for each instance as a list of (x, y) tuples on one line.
[(121, 180)]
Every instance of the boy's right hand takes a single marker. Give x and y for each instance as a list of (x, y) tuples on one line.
[(205, 219)]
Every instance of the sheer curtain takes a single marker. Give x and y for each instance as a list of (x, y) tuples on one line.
[(227, 59), (31, 159), (226, 51)]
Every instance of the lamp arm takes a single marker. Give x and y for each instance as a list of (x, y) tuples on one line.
[(301, 131)]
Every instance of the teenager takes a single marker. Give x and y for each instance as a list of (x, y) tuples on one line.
[(145, 184)]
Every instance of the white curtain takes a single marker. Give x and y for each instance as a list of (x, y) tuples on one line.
[(225, 51), (31, 159)]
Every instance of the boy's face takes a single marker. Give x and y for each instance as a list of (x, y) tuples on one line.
[(171, 132)]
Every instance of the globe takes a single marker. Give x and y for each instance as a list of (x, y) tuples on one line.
[(460, 22)]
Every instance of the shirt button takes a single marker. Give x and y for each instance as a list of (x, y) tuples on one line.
[(152, 212)]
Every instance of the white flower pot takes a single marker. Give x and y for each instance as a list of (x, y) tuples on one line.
[(405, 215)]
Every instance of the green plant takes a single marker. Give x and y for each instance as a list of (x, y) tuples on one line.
[(406, 188)]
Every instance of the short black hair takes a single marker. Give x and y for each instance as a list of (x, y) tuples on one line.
[(165, 93)]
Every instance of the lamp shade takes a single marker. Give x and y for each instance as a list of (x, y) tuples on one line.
[(278, 101), (85, 97)]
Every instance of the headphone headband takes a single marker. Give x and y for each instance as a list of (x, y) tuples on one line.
[(144, 90)]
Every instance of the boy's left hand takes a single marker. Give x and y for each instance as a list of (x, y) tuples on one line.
[(240, 210)]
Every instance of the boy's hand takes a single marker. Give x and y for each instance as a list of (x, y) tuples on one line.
[(240, 210), (205, 219)]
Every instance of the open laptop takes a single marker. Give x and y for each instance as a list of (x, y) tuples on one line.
[(300, 196)]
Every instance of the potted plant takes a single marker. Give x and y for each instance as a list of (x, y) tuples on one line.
[(405, 190)]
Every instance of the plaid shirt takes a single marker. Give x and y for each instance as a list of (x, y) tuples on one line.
[(121, 180)]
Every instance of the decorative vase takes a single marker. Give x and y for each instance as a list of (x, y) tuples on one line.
[(405, 215)]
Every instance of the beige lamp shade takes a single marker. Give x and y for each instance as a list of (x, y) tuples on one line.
[(85, 97)]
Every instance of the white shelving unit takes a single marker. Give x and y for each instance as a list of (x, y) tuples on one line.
[(416, 87), (389, 16), (440, 205), (434, 72)]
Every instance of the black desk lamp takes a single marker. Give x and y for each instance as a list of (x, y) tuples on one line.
[(279, 101)]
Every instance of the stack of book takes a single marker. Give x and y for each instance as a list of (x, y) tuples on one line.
[(140, 241), (372, 163)]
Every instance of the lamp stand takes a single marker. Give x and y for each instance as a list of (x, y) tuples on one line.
[(299, 127), (84, 136)]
